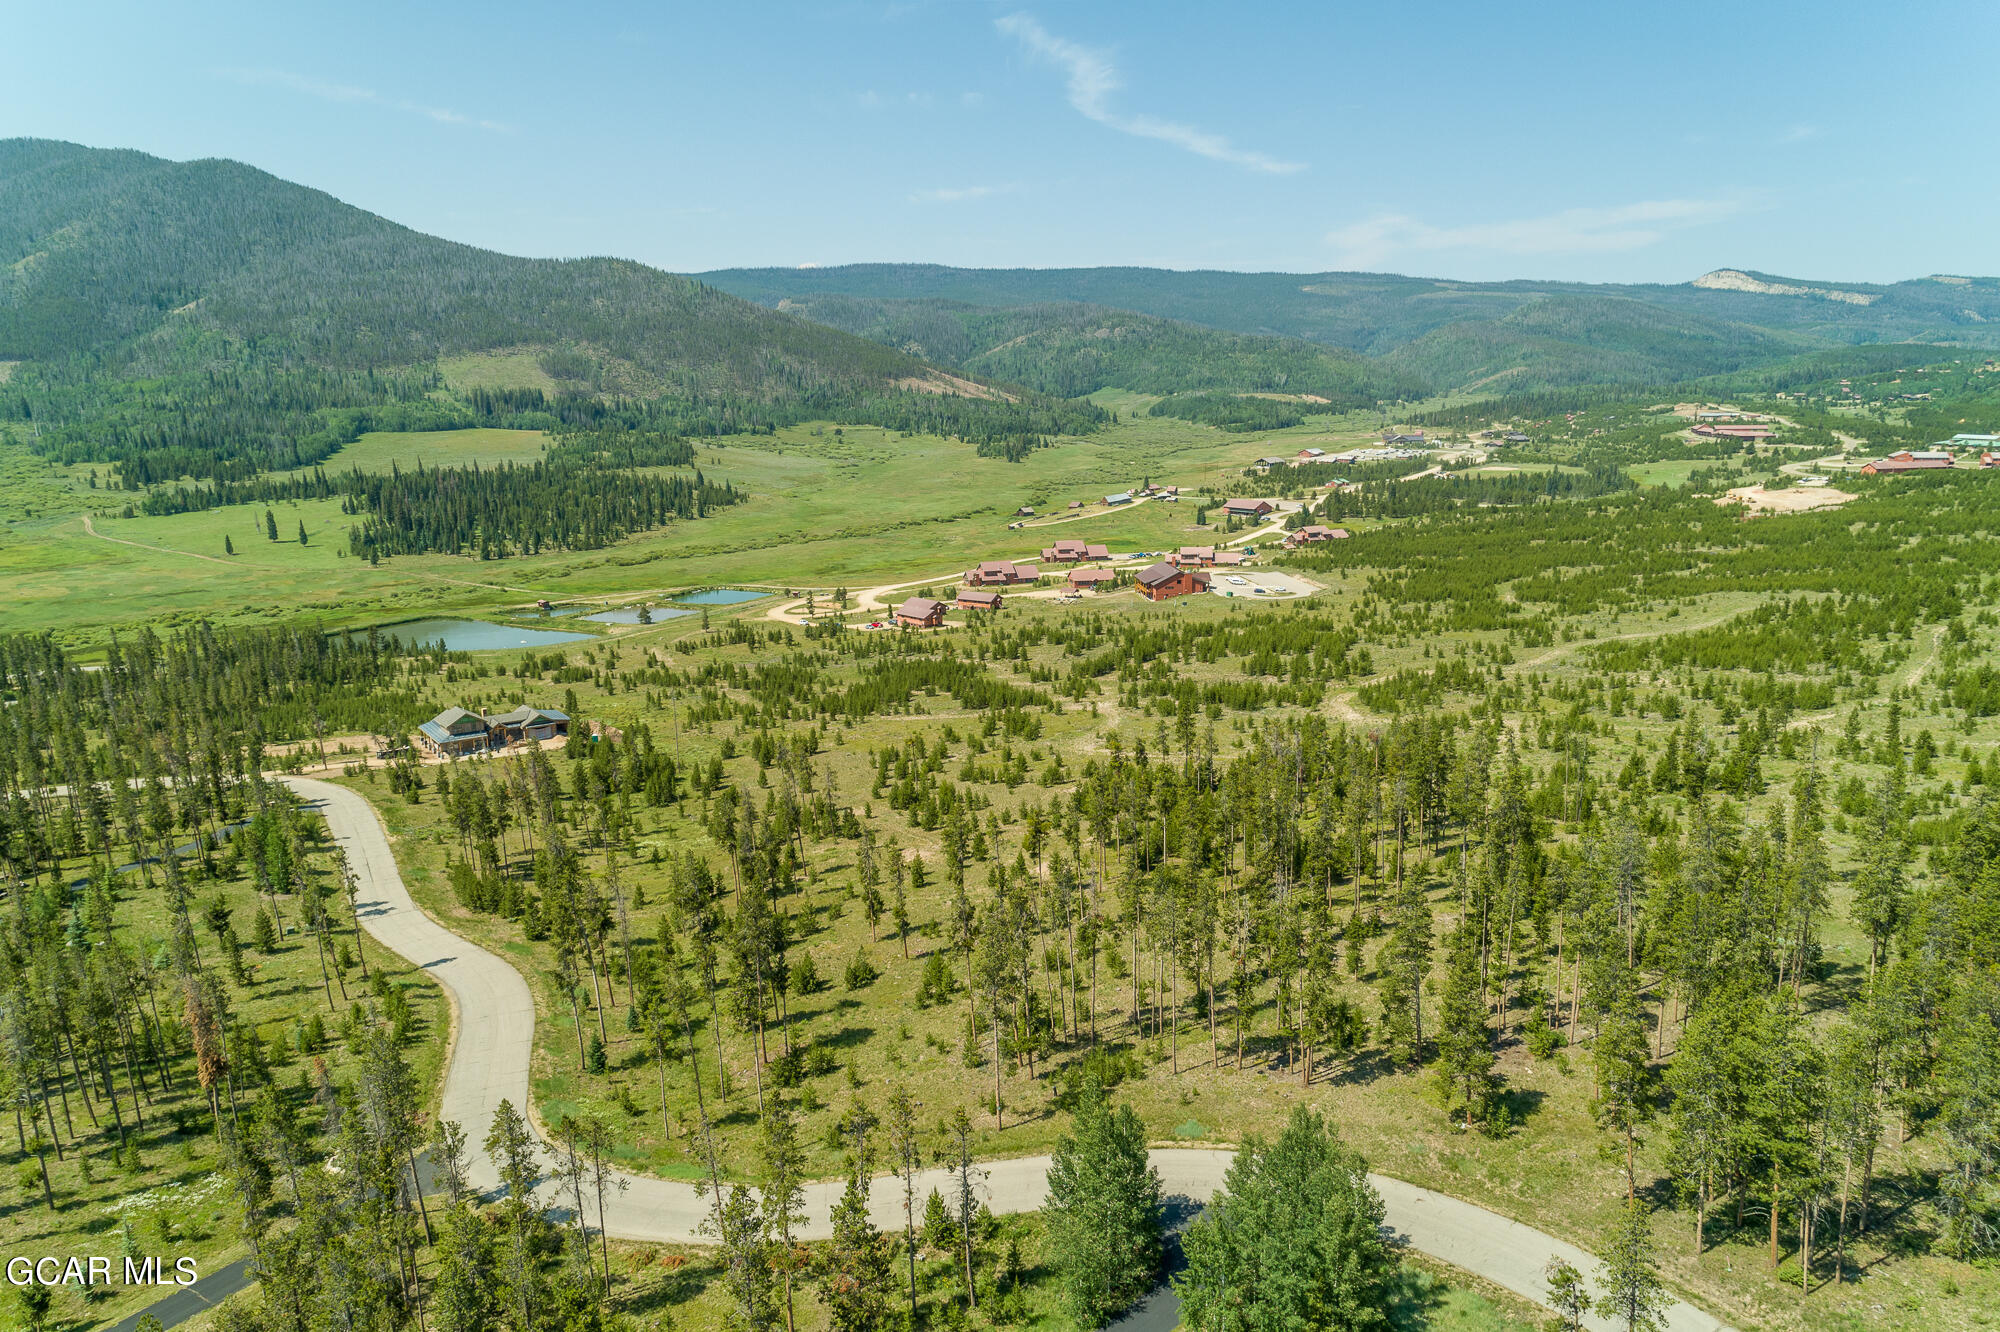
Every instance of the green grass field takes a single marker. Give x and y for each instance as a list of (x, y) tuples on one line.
[(855, 508)]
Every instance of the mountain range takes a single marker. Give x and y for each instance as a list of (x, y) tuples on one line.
[(1442, 334), (131, 266)]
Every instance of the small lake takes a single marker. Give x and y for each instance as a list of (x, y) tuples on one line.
[(630, 615), (719, 596), (467, 635)]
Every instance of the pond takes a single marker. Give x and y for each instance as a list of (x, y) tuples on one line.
[(630, 615), (467, 635), (719, 596)]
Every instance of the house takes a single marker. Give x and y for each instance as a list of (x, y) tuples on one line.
[(1069, 551), (1246, 508), (1230, 559), (973, 598), (1414, 437), (1076, 504), (1515, 437), (1091, 578), (1921, 461), (1122, 497), (1002, 572), (1193, 557), (1164, 580), (1308, 455), (1025, 511), (1266, 464), (525, 723), (920, 613), (1989, 459), (1306, 536), (455, 732)]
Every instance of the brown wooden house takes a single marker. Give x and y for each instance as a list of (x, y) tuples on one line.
[(1163, 580), (920, 613)]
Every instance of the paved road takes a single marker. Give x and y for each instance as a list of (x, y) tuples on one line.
[(495, 1026), (199, 1298)]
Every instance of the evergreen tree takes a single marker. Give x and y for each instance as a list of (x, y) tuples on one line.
[(1633, 1298), (1463, 1074), (1103, 1212), (270, 525), (1293, 1240)]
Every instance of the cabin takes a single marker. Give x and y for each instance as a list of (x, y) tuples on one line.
[(1515, 437), (975, 598), (1122, 497), (1000, 572), (1750, 433), (1923, 460), (1025, 511), (1311, 455), (1070, 551), (1090, 579), (1412, 437), (1163, 581), (1246, 508), (1266, 464), (1193, 557), (1230, 559), (456, 732), (1306, 536), (920, 613), (1989, 459)]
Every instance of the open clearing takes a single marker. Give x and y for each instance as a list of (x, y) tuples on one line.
[(1792, 499)]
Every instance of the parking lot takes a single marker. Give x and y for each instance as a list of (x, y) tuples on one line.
[(1261, 585)]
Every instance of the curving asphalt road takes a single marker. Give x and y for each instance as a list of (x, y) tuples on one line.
[(495, 1030)]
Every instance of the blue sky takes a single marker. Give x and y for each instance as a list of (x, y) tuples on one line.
[(1599, 141)]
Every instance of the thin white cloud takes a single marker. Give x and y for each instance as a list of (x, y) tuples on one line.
[(1799, 134), (1573, 231), (327, 91), (1093, 79), (959, 194)]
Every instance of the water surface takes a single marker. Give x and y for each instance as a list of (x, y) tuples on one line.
[(467, 635)]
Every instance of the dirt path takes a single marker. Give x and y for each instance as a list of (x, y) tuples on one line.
[(91, 529)]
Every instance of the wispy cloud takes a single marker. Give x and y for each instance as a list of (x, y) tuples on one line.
[(327, 91), (959, 194), (1093, 79), (1573, 231), (1799, 134)]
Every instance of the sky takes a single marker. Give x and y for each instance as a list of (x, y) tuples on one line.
[(1581, 141)]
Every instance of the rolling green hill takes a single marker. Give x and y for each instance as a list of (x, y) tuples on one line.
[(1073, 348), (1455, 334), (206, 319), (123, 256)]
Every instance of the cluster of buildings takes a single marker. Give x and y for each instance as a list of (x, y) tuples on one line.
[(457, 733), (1930, 460), (1315, 533)]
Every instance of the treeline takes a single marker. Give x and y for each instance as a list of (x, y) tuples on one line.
[(1243, 413), (507, 510), (1435, 494)]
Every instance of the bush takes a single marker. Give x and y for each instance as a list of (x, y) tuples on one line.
[(805, 975), (1544, 1040), (861, 973)]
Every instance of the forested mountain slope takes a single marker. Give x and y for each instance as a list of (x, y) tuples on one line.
[(1379, 313), (1072, 348), (116, 254)]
